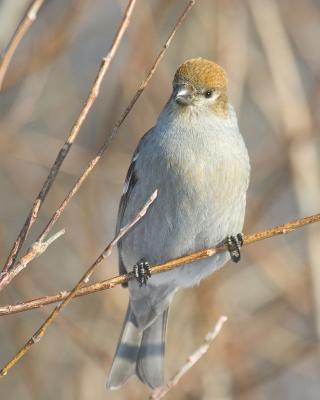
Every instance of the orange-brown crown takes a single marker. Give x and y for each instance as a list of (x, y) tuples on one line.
[(201, 73)]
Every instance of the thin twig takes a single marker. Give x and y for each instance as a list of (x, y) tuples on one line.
[(83, 340), (116, 127), (160, 392), (34, 251), (23, 27), (117, 280), (93, 94), (48, 46), (84, 279), (107, 143)]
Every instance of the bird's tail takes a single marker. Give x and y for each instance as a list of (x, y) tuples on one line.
[(140, 352)]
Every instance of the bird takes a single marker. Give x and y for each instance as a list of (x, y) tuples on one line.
[(196, 158)]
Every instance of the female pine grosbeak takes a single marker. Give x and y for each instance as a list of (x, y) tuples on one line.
[(195, 156)]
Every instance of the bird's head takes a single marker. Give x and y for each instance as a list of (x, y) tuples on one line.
[(201, 85)]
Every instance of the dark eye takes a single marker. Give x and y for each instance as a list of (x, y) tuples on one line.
[(208, 94)]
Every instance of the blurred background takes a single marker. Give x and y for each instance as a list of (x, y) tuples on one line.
[(269, 348)]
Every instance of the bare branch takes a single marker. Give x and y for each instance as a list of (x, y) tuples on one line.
[(199, 255), (116, 127), (23, 27), (84, 279), (160, 392), (99, 154), (93, 94), (34, 251)]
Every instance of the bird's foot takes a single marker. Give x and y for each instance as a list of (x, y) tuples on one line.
[(141, 271), (234, 244)]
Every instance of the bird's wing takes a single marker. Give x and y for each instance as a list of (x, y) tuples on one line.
[(130, 182)]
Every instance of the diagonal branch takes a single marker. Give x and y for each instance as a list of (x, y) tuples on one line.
[(12, 273), (199, 255), (84, 279), (22, 29), (160, 392), (93, 94), (35, 250)]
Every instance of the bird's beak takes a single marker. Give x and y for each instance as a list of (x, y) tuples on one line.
[(184, 95)]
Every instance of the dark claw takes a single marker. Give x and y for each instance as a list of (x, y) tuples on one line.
[(234, 244), (141, 272), (240, 238)]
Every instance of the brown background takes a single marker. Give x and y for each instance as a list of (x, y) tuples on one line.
[(270, 50)]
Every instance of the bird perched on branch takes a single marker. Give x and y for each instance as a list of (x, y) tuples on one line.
[(196, 157)]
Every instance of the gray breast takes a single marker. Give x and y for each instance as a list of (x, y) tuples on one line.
[(201, 198)]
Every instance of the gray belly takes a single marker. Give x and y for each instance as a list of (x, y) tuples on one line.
[(195, 209)]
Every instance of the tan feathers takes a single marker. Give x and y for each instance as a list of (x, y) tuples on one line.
[(202, 74)]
